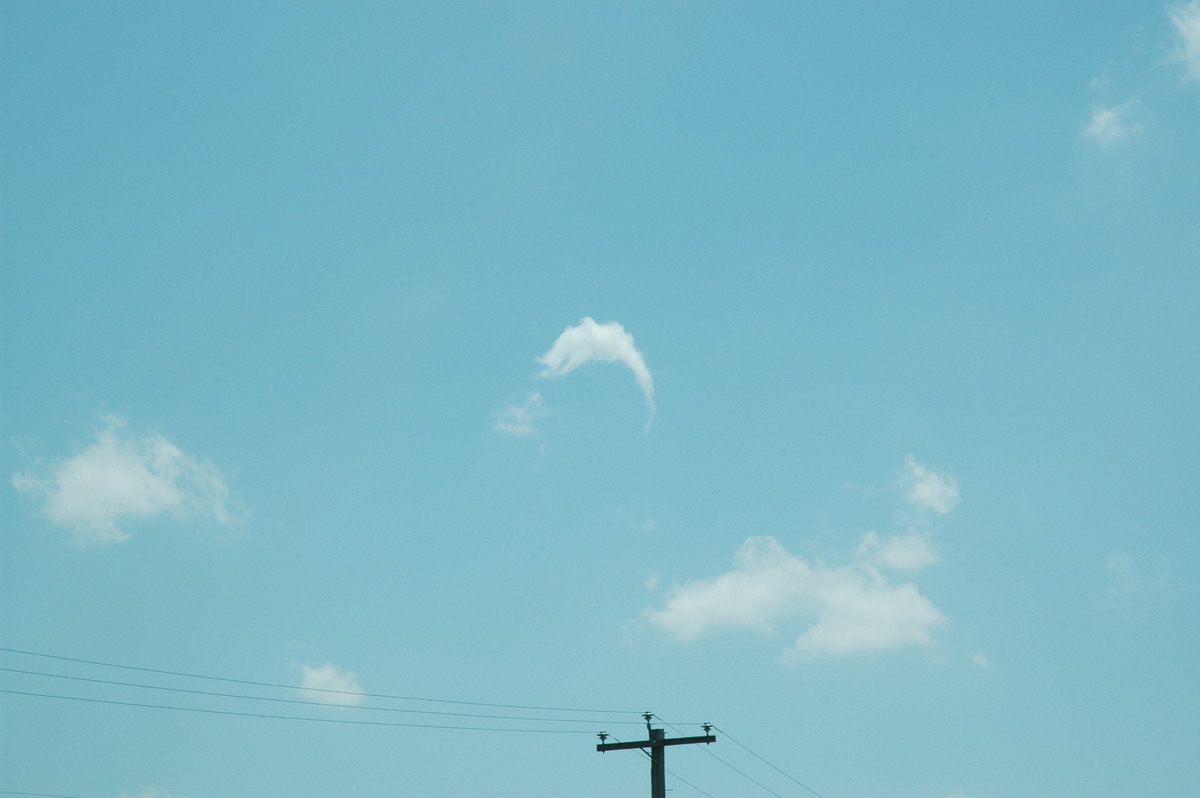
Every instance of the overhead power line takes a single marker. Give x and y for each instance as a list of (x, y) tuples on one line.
[(756, 756), (140, 686), (345, 721), (313, 689), (768, 764)]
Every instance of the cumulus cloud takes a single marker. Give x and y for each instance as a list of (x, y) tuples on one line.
[(925, 489), (332, 685), (119, 477), (847, 609), (1112, 125), (521, 419), (607, 343), (860, 605), (1186, 20)]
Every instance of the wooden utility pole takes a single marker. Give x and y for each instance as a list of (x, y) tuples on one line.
[(657, 744)]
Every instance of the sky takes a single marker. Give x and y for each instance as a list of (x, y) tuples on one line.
[(395, 396)]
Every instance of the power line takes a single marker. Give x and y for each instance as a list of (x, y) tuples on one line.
[(314, 689), (768, 764), (728, 765), (138, 685), (291, 717)]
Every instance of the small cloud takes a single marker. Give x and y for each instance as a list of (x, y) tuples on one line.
[(1123, 576), (849, 609), (521, 419), (1185, 18), (652, 582), (331, 685), (1112, 125), (925, 489), (607, 343), (120, 477), (981, 661)]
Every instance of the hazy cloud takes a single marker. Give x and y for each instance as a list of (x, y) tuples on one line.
[(848, 609), (1127, 575), (898, 552), (521, 419), (120, 476), (608, 343), (331, 685), (1111, 125), (1186, 20), (150, 792), (1123, 576), (925, 489)]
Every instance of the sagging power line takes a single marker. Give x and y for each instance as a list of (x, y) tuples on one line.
[(391, 696)]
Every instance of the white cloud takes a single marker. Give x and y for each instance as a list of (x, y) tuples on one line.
[(1111, 125), (120, 477), (981, 660), (899, 552), (849, 609), (925, 489), (331, 684), (521, 419), (1186, 19), (608, 343)]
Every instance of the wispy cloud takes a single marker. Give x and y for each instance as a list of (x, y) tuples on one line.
[(898, 552), (927, 490), (1128, 575), (119, 477), (331, 685), (521, 419), (150, 792), (1185, 18), (608, 343), (1123, 576), (1109, 126), (848, 609)]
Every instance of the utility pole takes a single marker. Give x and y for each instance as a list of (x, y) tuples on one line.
[(657, 744)]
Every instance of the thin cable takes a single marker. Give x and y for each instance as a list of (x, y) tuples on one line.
[(292, 717), (726, 764), (642, 751), (768, 764), (589, 721), (314, 689)]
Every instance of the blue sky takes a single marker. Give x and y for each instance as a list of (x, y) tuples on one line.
[(826, 374)]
